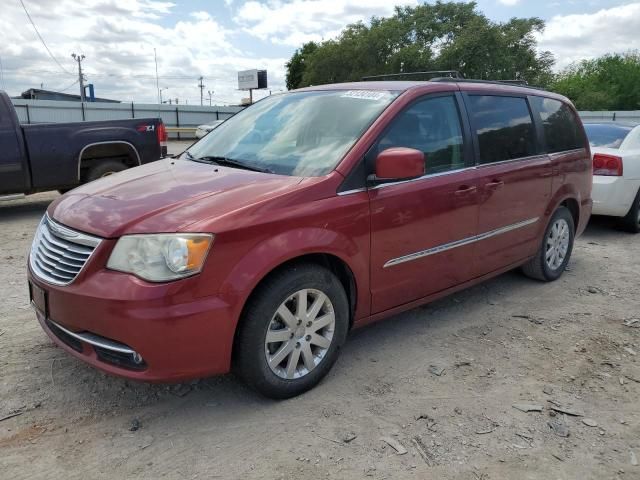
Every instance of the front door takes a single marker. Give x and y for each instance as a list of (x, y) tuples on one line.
[(514, 181), (421, 229)]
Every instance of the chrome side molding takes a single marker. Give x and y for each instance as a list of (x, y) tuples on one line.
[(458, 243)]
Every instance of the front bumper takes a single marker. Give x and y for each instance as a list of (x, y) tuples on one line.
[(107, 318), (613, 196)]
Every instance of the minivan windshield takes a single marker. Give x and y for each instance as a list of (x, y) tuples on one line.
[(299, 134), (609, 136)]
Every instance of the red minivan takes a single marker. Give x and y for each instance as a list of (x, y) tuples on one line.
[(306, 215)]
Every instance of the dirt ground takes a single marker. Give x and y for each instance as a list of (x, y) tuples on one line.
[(441, 381)]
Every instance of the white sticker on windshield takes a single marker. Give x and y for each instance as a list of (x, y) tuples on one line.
[(364, 94)]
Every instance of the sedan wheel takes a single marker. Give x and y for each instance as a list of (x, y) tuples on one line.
[(631, 222)]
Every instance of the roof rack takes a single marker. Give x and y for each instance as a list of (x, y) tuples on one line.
[(450, 74), (519, 83), (446, 76)]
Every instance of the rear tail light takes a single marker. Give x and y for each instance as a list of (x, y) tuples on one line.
[(162, 135), (607, 165)]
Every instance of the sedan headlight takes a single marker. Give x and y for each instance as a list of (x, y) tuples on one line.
[(161, 257)]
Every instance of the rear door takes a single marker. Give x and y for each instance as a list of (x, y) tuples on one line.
[(514, 180), (420, 228)]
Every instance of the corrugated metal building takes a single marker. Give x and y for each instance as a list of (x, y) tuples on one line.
[(40, 94)]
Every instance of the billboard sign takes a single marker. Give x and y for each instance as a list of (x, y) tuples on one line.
[(251, 79)]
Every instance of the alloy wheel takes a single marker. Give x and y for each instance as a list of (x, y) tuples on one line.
[(557, 244), (300, 334)]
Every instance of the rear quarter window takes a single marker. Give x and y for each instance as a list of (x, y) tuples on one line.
[(504, 127), (560, 125)]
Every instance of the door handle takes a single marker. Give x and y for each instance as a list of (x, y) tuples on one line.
[(465, 190), (494, 184)]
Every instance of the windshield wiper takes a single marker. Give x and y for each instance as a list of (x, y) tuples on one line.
[(228, 162)]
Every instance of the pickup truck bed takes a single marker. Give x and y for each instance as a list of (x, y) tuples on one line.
[(61, 156)]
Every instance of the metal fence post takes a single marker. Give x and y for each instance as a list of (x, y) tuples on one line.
[(178, 121), (28, 116), (82, 108), (217, 115), (133, 111)]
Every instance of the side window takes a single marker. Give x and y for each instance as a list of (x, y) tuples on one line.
[(560, 125), (432, 126), (504, 127)]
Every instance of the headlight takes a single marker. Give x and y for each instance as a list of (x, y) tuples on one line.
[(161, 257)]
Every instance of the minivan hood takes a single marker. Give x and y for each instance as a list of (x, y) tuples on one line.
[(164, 196)]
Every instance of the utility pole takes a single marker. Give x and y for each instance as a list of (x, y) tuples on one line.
[(79, 58), (210, 92), (201, 86), (155, 57)]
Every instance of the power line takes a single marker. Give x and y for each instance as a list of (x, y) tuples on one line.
[(111, 75), (67, 88), (42, 39)]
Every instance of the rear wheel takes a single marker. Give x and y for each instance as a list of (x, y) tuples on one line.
[(631, 223), (104, 169), (554, 253), (292, 331)]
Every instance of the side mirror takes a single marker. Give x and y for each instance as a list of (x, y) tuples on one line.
[(399, 164)]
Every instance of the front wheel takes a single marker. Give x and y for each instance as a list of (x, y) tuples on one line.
[(553, 255), (292, 331)]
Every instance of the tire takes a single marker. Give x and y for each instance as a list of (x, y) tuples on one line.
[(103, 169), (539, 267), (281, 293), (631, 223)]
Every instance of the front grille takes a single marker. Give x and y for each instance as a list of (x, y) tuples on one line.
[(58, 253)]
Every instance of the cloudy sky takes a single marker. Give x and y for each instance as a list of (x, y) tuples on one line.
[(216, 38)]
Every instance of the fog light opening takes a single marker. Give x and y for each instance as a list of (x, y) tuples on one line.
[(137, 358)]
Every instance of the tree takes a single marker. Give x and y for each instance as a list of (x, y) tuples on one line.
[(440, 36), (296, 66), (611, 82)]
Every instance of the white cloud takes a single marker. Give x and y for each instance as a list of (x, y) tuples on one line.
[(118, 38), (286, 23), (509, 3), (574, 37), (201, 15)]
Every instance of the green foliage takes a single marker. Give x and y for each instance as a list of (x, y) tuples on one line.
[(296, 66), (611, 82), (440, 36)]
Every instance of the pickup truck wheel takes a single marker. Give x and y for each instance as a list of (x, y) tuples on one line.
[(292, 331), (557, 244), (104, 169), (631, 223)]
